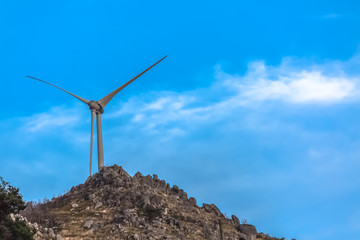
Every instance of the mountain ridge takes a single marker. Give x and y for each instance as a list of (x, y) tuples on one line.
[(113, 205)]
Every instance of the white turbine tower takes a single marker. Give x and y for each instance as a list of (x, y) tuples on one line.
[(97, 107)]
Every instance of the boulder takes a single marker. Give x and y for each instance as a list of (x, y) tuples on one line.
[(88, 224), (211, 208), (137, 176), (51, 233), (58, 237), (175, 189), (247, 229), (98, 205), (192, 201), (235, 221)]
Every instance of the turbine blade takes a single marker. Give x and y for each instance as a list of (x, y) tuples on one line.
[(105, 100), (92, 136), (80, 98)]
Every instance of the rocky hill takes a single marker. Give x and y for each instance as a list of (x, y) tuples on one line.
[(113, 205)]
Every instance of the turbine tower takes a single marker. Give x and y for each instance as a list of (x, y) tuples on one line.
[(97, 108)]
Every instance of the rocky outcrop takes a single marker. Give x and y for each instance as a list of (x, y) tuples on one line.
[(247, 229), (211, 208), (113, 205), (41, 233)]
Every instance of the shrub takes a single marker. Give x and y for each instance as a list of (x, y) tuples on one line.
[(11, 202), (10, 199), (17, 229)]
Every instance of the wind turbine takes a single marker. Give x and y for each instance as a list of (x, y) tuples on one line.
[(97, 107)]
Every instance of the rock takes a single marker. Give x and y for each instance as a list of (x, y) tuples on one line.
[(109, 173), (162, 185), (174, 222), (134, 222), (58, 237), (137, 176), (175, 189), (207, 207), (36, 226), (135, 237), (243, 236), (75, 205), (51, 233), (127, 213), (216, 210), (98, 205), (39, 234), (148, 180), (167, 188), (235, 221), (92, 196), (192, 201), (208, 233), (95, 227), (88, 224), (182, 194), (211, 208), (247, 229), (145, 199)]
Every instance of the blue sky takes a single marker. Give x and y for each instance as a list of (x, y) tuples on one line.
[(256, 108)]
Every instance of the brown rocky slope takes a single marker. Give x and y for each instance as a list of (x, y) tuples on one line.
[(113, 205)]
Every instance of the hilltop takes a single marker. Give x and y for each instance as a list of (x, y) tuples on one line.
[(113, 205)]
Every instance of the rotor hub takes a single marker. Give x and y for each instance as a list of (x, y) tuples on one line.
[(94, 105)]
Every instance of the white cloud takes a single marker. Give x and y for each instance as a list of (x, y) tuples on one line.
[(138, 117), (158, 104), (289, 83), (292, 82), (302, 87), (55, 118)]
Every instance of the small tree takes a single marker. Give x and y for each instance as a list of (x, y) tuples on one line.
[(11, 202), (10, 199)]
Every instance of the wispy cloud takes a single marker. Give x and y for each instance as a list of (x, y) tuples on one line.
[(56, 117), (290, 83), (172, 114)]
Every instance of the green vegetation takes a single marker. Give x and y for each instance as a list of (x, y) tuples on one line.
[(11, 202)]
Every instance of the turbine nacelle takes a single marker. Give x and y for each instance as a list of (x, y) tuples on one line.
[(95, 106)]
